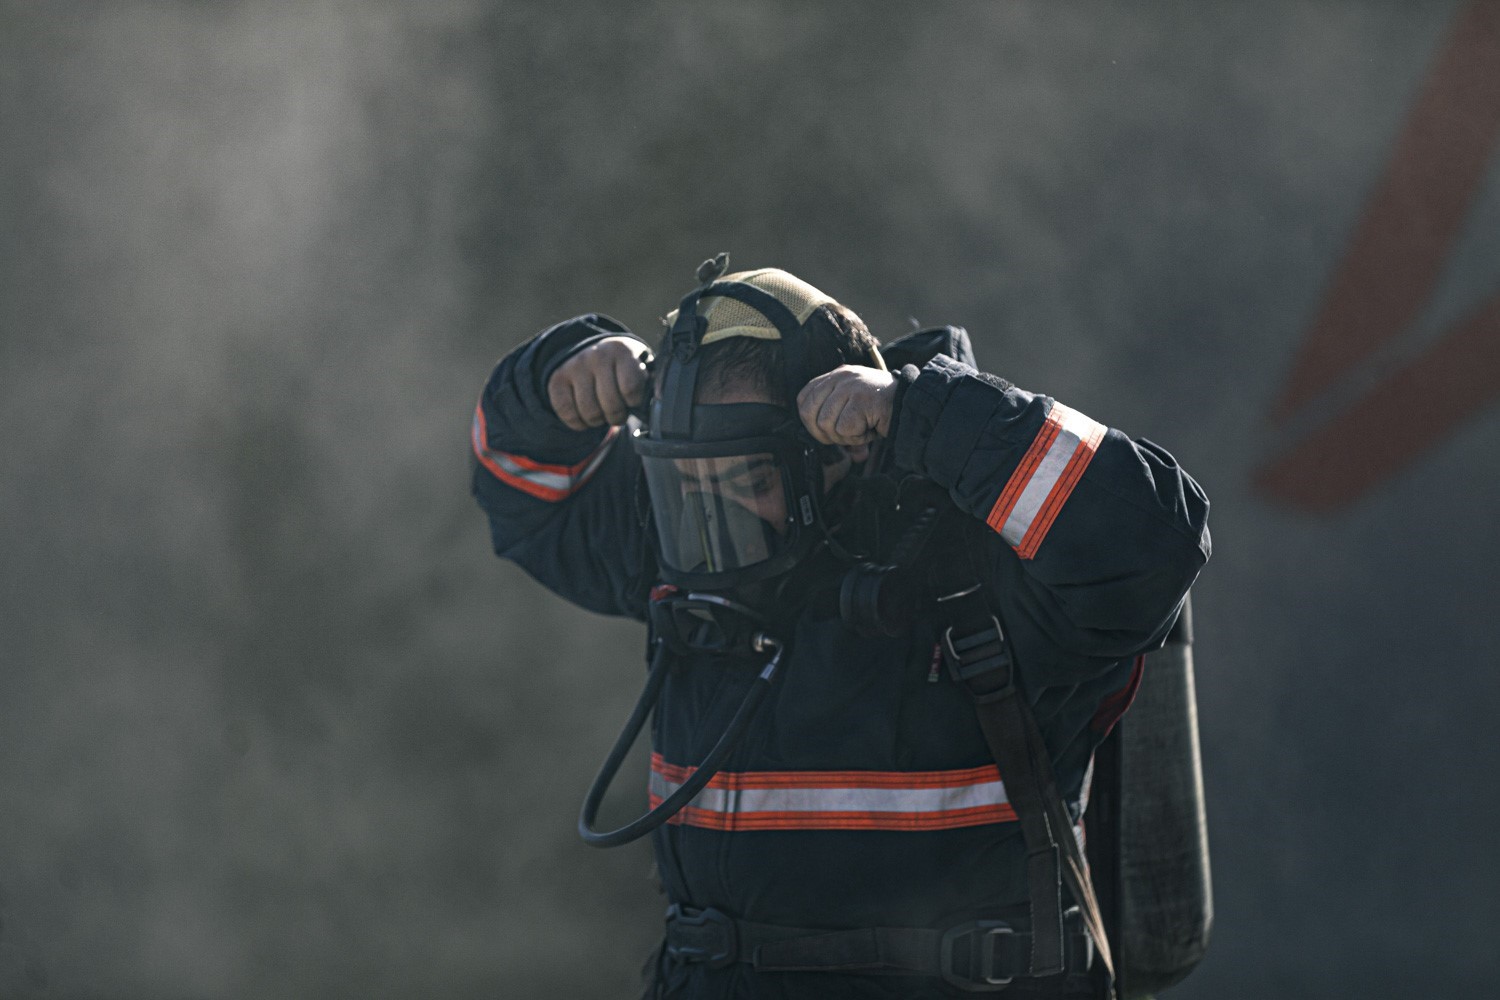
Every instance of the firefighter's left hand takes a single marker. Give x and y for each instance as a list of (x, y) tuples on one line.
[(850, 405)]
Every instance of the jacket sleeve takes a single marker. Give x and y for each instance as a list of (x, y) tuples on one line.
[(561, 503), (1095, 538)]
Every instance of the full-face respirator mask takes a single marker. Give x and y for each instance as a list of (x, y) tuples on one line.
[(737, 487)]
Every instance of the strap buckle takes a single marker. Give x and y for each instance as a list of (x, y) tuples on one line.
[(705, 936), (978, 660), (980, 965)]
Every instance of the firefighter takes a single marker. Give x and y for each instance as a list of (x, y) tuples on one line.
[(799, 515)]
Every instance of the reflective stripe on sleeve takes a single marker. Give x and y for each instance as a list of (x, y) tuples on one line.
[(545, 482), (1051, 467), (837, 800)]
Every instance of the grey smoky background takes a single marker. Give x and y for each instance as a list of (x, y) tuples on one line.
[(274, 722)]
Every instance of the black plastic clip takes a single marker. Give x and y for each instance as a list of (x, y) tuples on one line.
[(979, 660), (713, 269), (981, 966), (705, 936)]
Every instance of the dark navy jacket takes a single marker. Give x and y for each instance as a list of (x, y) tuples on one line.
[(864, 794)]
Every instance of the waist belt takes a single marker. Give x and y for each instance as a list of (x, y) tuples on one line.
[(978, 956)]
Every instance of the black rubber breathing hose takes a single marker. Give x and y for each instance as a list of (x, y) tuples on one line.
[(674, 803)]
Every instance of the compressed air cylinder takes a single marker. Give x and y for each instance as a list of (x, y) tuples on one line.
[(1166, 903)]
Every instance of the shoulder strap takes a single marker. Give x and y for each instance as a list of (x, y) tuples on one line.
[(979, 658)]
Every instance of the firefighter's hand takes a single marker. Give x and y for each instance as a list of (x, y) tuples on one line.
[(850, 405), (600, 383)]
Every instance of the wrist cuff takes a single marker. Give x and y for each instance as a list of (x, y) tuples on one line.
[(905, 376)]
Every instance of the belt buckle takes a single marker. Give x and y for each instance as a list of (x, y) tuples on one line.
[(705, 936), (983, 935)]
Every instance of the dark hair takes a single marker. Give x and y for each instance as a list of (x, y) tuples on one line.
[(757, 363)]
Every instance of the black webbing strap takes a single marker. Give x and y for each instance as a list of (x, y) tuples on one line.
[(979, 956), (869, 949), (979, 659)]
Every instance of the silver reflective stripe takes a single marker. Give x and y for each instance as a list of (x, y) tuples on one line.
[(834, 800), (1074, 430)]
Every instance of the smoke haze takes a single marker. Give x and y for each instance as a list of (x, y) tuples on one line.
[(273, 721)]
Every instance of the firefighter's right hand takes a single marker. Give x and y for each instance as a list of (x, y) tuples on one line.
[(600, 383)]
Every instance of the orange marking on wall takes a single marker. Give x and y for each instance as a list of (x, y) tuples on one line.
[(1416, 212)]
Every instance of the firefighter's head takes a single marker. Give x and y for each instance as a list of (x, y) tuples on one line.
[(736, 483)]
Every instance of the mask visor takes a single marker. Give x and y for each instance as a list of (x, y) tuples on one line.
[(719, 514)]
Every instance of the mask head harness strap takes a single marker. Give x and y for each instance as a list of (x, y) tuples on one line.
[(672, 413), (672, 410)]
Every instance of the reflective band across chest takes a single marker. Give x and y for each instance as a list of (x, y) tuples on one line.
[(838, 800), (1041, 484)]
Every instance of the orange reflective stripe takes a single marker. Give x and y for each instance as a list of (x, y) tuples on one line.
[(831, 779), (1044, 479), (911, 821), (1079, 461), (539, 479), (838, 800), (1018, 479)]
